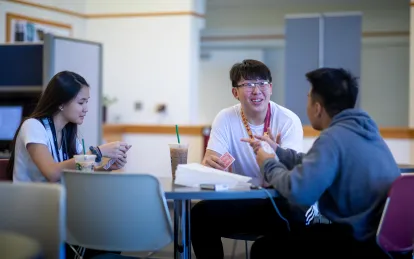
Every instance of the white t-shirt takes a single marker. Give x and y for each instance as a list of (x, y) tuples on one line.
[(25, 170), (228, 129)]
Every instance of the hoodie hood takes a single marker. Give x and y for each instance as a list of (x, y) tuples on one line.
[(357, 121)]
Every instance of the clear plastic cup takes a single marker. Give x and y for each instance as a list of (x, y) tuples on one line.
[(85, 163), (178, 154)]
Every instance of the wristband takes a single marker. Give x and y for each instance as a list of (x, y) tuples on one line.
[(99, 150), (97, 153)]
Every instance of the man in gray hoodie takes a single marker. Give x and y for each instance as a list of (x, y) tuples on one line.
[(348, 170)]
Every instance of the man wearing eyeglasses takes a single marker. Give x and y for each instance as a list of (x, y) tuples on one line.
[(255, 117)]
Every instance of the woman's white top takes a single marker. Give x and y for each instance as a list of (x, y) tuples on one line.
[(32, 131)]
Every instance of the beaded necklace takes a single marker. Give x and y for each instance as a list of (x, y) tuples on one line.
[(266, 123)]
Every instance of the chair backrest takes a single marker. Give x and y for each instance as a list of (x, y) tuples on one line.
[(18, 246), (116, 212), (37, 211), (3, 167), (396, 229)]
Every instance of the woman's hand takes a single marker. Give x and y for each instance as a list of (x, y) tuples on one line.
[(119, 163), (115, 150)]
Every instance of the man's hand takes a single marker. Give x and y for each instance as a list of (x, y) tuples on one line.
[(262, 156), (270, 139), (212, 159), (254, 143)]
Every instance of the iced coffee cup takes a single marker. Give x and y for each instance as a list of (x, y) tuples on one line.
[(85, 163), (178, 154)]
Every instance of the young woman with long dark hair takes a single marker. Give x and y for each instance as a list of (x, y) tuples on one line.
[(45, 143)]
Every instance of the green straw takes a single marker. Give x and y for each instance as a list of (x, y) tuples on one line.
[(178, 135), (83, 144)]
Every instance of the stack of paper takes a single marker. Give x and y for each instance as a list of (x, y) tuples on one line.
[(192, 175)]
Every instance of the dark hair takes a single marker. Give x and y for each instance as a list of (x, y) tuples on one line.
[(335, 88), (249, 69), (62, 88)]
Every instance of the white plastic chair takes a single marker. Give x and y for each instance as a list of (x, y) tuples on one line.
[(116, 212), (37, 211)]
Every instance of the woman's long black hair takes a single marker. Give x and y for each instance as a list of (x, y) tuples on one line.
[(62, 89)]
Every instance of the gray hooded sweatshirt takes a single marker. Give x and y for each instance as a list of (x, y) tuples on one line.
[(348, 170)]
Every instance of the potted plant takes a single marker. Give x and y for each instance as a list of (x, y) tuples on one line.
[(106, 103)]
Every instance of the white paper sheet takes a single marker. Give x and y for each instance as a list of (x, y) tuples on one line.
[(192, 175)]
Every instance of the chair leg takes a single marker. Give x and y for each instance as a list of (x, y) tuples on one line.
[(247, 249), (79, 253)]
